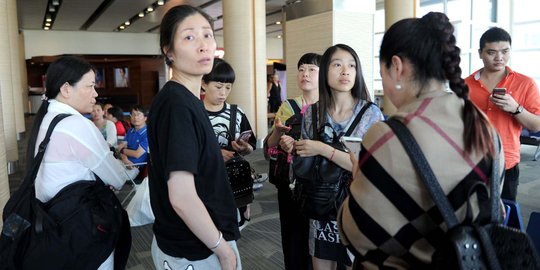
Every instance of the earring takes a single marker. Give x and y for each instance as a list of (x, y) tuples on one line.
[(398, 86)]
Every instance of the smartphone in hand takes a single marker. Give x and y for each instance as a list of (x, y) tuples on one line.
[(498, 91), (352, 144), (244, 136)]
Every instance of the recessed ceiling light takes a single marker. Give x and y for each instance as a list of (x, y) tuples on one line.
[(278, 36), (122, 27), (150, 9), (160, 2), (55, 2), (127, 23), (52, 8), (278, 22), (47, 24), (48, 18), (46, 28), (141, 14)]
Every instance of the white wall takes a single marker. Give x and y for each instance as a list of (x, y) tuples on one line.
[(48, 43)]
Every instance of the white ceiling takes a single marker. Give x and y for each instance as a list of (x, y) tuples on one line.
[(73, 14)]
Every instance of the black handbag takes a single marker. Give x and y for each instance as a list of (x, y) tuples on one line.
[(239, 171), (320, 186), (77, 229), (471, 245)]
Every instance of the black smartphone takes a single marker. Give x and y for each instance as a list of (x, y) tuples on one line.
[(498, 91)]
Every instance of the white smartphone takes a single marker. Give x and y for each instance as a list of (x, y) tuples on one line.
[(352, 144), (244, 136)]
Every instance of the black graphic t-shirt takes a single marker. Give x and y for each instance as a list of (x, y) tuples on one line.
[(221, 121)]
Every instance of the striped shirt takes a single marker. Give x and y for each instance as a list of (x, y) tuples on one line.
[(389, 218)]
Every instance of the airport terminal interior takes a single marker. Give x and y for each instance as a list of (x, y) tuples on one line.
[(120, 38)]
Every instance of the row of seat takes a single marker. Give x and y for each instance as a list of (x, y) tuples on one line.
[(513, 219), (531, 138)]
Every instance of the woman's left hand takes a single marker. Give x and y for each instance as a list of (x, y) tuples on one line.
[(241, 146), (308, 148)]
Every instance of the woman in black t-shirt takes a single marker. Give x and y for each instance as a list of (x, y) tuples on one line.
[(195, 215)]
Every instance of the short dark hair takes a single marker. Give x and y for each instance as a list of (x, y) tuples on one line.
[(170, 22), (140, 108), (116, 112), (221, 72), (309, 59), (494, 34)]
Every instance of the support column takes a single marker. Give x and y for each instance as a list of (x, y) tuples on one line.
[(18, 89), (395, 10), (313, 26), (244, 38), (8, 115)]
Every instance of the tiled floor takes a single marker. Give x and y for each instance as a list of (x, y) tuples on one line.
[(260, 245)]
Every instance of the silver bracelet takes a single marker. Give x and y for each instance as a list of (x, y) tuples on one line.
[(218, 241)]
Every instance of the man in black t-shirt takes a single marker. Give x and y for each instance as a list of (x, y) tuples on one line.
[(182, 140)]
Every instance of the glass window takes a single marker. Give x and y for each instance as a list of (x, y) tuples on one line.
[(525, 10)]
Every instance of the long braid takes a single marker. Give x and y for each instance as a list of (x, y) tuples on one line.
[(477, 134)]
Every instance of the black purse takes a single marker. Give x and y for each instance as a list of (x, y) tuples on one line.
[(239, 171), (471, 245), (320, 186)]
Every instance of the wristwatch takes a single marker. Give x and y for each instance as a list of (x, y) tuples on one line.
[(518, 110)]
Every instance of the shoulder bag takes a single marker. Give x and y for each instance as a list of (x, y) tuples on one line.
[(77, 229), (238, 169), (320, 185)]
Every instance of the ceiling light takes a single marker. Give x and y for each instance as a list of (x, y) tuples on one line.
[(160, 2), (150, 9), (141, 14), (122, 27), (278, 22), (55, 2), (127, 23), (52, 8), (48, 18), (47, 24), (278, 36), (46, 28)]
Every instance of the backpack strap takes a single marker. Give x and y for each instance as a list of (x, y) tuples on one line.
[(294, 106), (430, 181), (314, 120), (43, 146), (358, 118), (232, 123)]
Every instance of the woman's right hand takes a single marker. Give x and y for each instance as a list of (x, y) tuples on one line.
[(227, 155), (287, 143), (226, 256), (280, 127)]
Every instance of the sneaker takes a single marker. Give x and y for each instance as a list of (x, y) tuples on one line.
[(257, 186), (261, 178), (243, 222)]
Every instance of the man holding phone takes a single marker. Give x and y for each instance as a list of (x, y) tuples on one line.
[(510, 100)]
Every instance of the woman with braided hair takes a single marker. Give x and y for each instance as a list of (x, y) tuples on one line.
[(399, 226)]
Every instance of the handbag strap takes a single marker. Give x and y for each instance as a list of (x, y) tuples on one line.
[(232, 123), (294, 106), (428, 177), (351, 128), (43, 146)]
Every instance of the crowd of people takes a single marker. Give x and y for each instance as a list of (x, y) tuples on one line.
[(385, 218)]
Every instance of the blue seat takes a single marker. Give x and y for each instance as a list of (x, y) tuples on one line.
[(533, 230), (514, 219), (508, 211)]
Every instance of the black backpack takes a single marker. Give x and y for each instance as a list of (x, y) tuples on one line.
[(77, 229), (279, 166)]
